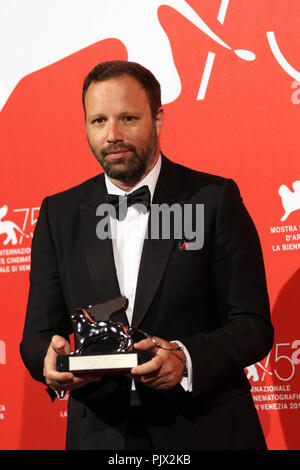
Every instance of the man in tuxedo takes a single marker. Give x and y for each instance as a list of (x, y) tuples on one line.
[(206, 305)]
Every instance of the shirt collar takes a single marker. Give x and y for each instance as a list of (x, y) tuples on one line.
[(150, 180)]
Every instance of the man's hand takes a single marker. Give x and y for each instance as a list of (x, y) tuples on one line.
[(166, 367), (62, 381)]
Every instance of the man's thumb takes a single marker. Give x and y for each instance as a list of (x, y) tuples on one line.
[(60, 345)]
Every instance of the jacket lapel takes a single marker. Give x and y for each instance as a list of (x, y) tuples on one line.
[(98, 253), (156, 252)]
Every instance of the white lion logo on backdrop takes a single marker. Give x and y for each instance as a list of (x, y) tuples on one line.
[(253, 372), (290, 199), (9, 228)]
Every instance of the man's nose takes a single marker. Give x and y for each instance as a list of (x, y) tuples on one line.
[(114, 133)]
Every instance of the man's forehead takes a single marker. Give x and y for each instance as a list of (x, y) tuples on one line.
[(117, 91), (119, 83)]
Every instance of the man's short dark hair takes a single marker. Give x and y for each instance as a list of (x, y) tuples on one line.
[(117, 68)]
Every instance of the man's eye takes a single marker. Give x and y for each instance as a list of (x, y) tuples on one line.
[(129, 118), (98, 121)]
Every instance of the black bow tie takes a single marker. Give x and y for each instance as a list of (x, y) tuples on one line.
[(140, 197)]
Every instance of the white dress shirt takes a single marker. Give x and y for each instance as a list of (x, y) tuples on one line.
[(127, 241)]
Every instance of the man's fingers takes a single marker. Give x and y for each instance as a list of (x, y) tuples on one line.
[(63, 380), (148, 367), (144, 344), (68, 381), (165, 369), (159, 383), (57, 379), (79, 381)]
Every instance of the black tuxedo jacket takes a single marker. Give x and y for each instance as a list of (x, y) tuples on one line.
[(214, 300)]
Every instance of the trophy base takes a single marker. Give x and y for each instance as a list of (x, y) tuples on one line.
[(106, 363)]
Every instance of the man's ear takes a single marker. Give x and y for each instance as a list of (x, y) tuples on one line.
[(159, 120)]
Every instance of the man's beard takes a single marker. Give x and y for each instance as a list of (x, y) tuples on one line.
[(132, 167)]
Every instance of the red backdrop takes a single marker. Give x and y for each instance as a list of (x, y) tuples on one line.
[(245, 125)]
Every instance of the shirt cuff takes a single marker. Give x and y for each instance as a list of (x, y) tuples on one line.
[(187, 379)]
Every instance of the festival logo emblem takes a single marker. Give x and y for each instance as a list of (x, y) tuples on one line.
[(70, 37), (14, 256), (290, 199), (256, 372), (9, 228), (274, 383), (286, 237), (30, 55)]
